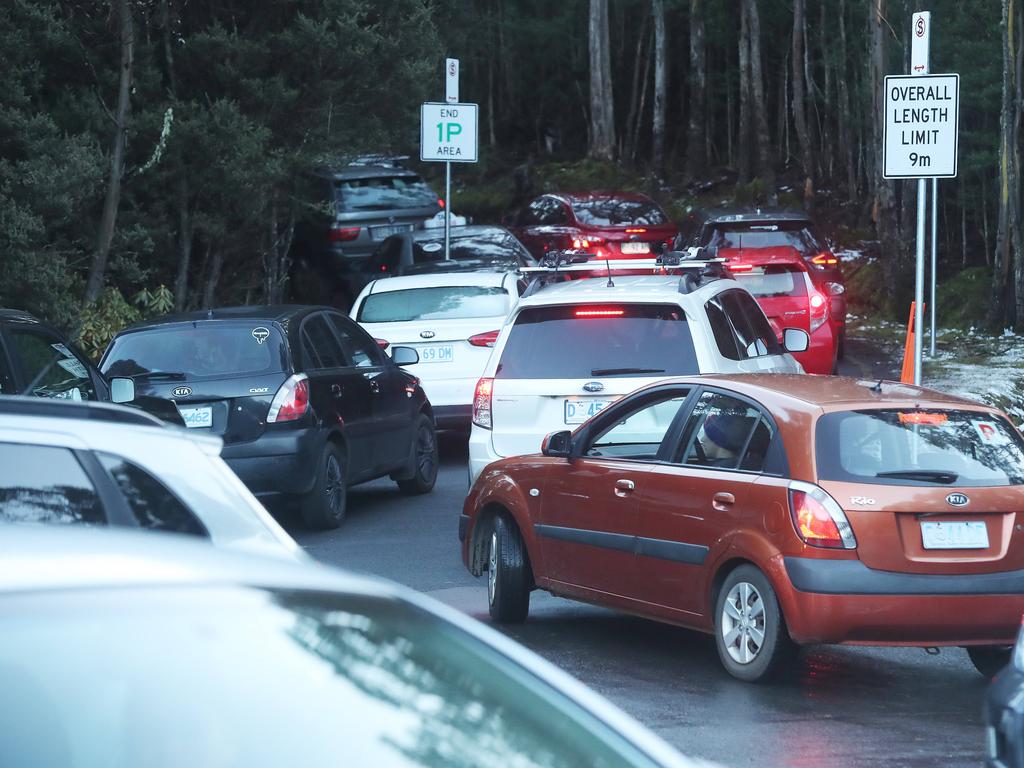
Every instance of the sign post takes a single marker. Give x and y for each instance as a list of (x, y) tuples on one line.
[(451, 95), (922, 114)]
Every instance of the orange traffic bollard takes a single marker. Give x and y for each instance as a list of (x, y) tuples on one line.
[(907, 373)]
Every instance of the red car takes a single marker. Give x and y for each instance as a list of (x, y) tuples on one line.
[(613, 225), (779, 279), (770, 510)]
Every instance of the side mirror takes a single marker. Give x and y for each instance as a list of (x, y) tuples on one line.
[(795, 340), (835, 289), (122, 390), (557, 444), (405, 356)]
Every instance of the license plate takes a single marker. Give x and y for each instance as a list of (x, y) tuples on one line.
[(379, 233), (197, 417), (636, 247), (441, 353), (578, 411), (954, 536)]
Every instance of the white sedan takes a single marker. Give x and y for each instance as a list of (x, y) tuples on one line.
[(451, 319)]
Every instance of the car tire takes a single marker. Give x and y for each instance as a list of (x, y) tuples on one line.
[(424, 458), (750, 631), (989, 659), (508, 574), (324, 507)]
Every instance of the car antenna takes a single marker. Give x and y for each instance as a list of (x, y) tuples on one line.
[(608, 264), (877, 386)]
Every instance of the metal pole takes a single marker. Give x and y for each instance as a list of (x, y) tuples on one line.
[(922, 193), (447, 209), (935, 218)]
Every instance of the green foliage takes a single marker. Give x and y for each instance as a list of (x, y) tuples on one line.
[(102, 320), (963, 298)]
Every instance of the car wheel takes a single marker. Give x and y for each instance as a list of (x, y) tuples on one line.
[(424, 458), (750, 632), (989, 659), (508, 574), (324, 506)]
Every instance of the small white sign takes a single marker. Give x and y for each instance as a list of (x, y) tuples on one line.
[(451, 81), (922, 122), (448, 133), (920, 33)]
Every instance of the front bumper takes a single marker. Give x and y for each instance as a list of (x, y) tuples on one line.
[(844, 601), (277, 462), (1004, 720)]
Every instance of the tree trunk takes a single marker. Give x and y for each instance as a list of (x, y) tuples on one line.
[(743, 135), (845, 116), (112, 200), (629, 130), (1016, 49), (765, 161), (799, 96), (660, 88), (696, 152), (276, 257), (645, 82), (602, 108), (215, 263)]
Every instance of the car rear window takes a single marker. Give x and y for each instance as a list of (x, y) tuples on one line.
[(585, 340), (384, 193), (919, 447), (613, 212), (200, 350), (771, 280), (793, 234), (447, 303), (496, 246)]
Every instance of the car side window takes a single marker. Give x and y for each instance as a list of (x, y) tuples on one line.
[(153, 506), (721, 432), (51, 369), (722, 330), (759, 325), (324, 350), (638, 433), (534, 212), (45, 484), (550, 211), (359, 349)]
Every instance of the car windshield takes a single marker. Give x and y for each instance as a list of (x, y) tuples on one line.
[(771, 280), (384, 193), (919, 447), (240, 677), (583, 340), (488, 246), (617, 212), (792, 234), (199, 350), (442, 303)]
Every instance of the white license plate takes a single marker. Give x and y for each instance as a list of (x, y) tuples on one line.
[(197, 417), (636, 247), (954, 536), (441, 353), (379, 233), (578, 411)]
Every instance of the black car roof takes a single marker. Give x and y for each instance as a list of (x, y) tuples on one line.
[(68, 409), (463, 230), (273, 313), (757, 214), (18, 316)]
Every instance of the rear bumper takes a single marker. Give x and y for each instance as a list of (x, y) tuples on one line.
[(276, 463), (844, 601), (820, 356), (453, 416), (481, 452)]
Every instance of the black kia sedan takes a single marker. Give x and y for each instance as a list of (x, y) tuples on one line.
[(306, 402)]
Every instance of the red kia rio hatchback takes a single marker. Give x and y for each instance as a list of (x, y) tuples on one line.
[(772, 511)]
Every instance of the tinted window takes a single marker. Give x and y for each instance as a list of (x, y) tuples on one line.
[(448, 303), (41, 484), (50, 368), (754, 333), (919, 447), (791, 234), (719, 429), (773, 281), (152, 505), (325, 352), (547, 210), (386, 192), (201, 350), (759, 324), (241, 677), (639, 432), (722, 330), (487, 246), (584, 341), (360, 350), (614, 212)]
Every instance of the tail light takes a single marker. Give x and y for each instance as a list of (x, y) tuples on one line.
[(484, 339), (636, 230), (599, 312), (291, 401), (340, 234), (740, 267), (587, 242), (383, 344), (819, 310), (482, 403), (825, 259), (818, 518), (440, 201)]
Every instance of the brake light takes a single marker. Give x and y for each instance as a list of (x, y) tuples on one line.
[(440, 201), (636, 230), (825, 259), (482, 403), (818, 519), (382, 343), (600, 312), (291, 401), (922, 417), (819, 310), (587, 242), (484, 339), (741, 267), (339, 234)]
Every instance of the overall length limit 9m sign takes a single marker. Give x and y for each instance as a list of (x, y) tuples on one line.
[(922, 116)]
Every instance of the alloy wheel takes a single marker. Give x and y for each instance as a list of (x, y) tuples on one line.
[(492, 568), (425, 451), (742, 623), (334, 485)]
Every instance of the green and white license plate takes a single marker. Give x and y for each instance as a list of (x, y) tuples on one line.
[(196, 418), (636, 248), (578, 409), (437, 353), (954, 535)]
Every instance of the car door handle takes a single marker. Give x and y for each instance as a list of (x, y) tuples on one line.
[(722, 501), (624, 487)]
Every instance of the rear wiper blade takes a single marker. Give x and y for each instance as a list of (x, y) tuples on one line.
[(928, 475), (617, 371)]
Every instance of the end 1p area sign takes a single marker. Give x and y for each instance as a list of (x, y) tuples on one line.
[(922, 125), (448, 133)]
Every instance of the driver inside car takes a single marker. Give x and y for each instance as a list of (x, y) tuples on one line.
[(722, 438)]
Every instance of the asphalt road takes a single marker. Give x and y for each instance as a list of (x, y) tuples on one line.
[(839, 707)]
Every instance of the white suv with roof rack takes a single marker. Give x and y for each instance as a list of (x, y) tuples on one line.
[(570, 348)]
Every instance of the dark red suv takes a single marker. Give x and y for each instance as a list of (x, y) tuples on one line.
[(611, 224)]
